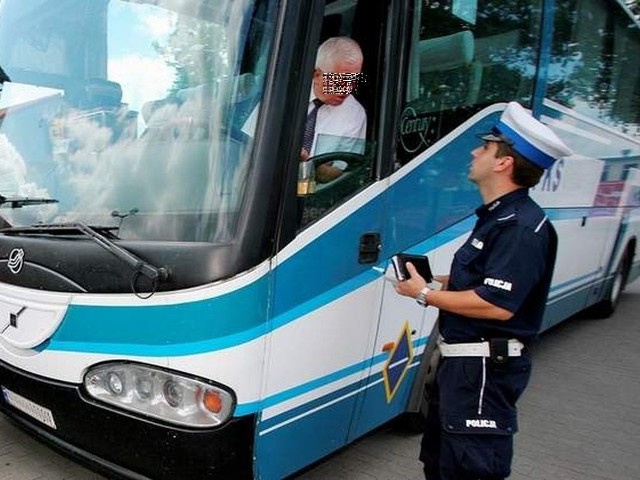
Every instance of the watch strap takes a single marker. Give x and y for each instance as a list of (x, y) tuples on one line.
[(422, 297)]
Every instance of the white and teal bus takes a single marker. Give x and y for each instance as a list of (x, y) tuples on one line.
[(165, 310)]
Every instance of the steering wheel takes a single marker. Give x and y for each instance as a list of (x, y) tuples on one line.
[(348, 162)]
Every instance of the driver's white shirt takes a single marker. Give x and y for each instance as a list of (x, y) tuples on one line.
[(339, 128)]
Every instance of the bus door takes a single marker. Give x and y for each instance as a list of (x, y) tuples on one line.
[(327, 280), (403, 332)]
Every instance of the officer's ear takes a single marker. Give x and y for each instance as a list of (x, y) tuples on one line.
[(504, 162)]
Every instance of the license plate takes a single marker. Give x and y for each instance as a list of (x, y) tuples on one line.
[(32, 409)]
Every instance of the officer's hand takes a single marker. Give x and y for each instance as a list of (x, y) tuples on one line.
[(412, 286)]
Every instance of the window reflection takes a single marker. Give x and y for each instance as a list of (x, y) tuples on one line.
[(125, 106), (465, 56), (594, 67)]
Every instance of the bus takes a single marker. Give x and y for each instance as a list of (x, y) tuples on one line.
[(170, 308)]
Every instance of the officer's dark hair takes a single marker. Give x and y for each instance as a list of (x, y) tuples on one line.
[(525, 173)]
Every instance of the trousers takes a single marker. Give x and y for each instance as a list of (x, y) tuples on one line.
[(472, 418)]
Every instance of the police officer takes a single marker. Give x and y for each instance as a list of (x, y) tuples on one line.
[(491, 305)]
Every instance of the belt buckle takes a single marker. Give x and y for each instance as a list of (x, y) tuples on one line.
[(499, 350)]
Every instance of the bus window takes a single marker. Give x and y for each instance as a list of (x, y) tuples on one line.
[(465, 55), (143, 93), (593, 67), (342, 147)]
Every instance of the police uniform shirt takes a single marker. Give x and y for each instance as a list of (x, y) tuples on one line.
[(507, 261)]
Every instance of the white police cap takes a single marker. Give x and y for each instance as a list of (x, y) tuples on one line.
[(527, 136)]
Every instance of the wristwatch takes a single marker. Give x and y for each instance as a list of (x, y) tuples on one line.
[(422, 297)]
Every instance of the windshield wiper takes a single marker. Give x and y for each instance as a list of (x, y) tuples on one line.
[(19, 202), (140, 266)]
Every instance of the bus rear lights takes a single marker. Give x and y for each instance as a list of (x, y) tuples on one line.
[(156, 393)]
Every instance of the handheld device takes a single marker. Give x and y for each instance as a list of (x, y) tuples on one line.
[(421, 262)]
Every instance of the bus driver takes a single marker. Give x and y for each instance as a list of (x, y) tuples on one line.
[(335, 119)]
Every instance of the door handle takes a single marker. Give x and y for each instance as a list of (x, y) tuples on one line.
[(369, 250)]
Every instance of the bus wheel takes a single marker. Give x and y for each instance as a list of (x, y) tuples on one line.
[(606, 307)]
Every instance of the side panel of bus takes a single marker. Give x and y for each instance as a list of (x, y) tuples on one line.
[(567, 192), (344, 349), (630, 202), (590, 201), (342, 357), (325, 312)]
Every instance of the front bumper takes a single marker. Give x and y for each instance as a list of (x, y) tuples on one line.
[(122, 445)]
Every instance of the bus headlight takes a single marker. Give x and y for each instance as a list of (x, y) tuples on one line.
[(115, 384), (157, 393)]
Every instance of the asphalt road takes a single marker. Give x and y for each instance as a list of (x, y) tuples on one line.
[(579, 418)]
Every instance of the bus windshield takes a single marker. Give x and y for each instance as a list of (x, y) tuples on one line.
[(128, 114)]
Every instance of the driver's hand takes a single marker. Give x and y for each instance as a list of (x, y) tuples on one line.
[(304, 155), (325, 173)]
